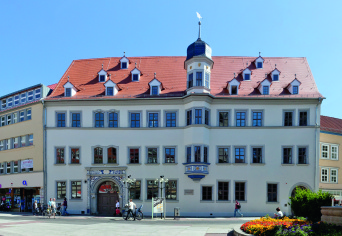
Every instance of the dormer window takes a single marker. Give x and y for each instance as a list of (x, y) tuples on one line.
[(102, 75), (111, 88), (275, 75), (154, 90), (124, 62), (259, 62), (246, 74), (265, 90), (68, 92), (69, 89), (155, 86), (259, 65), (123, 65), (110, 91), (135, 74), (234, 89), (295, 89), (102, 78), (135, 77)]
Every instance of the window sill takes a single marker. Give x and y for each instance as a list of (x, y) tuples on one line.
[(223, 201), (287, 164), (239, 164), (302, 164), (152, 164), (75, 164), (207, 201), (60, 164), (257, 164), (112, 164), (171, 164), (272, 202), (133, 164), (224, 163)]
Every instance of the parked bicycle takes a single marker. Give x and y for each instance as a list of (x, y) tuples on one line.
[(139, 215)]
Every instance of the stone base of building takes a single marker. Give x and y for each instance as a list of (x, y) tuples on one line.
[(332, 215)]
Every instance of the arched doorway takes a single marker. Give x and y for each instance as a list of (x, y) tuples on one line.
[(107, 195), (293, 193)]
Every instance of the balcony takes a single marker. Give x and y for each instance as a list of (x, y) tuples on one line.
[(196, 170)]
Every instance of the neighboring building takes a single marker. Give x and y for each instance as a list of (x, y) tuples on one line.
[(21, 147), (219, 128), (330, 163)]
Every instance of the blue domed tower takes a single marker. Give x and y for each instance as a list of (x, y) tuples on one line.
[(198, 65)]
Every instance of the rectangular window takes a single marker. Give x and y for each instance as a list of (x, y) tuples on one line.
[(171, 190), (223, 191), (2, 168), (8, 168), (152, 120), (333, 176), (30, 96), (257, 118), (135, 77), (134, 155), (288, 115), (234, 90), (102, 78), (152, 155), (265, 90), (16, 100), (61, 190), (23, 141), (240, 119), (325, 149), (198, 78), (16, 142), (295, 90), (75, 155), (152, 189), (259, 65), (28, 114), (135, 190), (135, 120), (15, 117), (23, 98), (3, 104), (257, 155), (68, 92), (9, 102), (189, 117), (170, 119), (334, 152), (123, 65), (272, 192), (239, 155), (223, 155), (113, 120), (207, 80), (197, 153), (302, 155), (98, 155), (287, 155), (3, 121), (59, 155), (76, 120), (198, 116), (207, 193), (206, 117), (2, 145), (169, 155), (205, 154), (15, 166), (112, 155), (191, 80), (99, 120), (110, 91), (154, 90), (76, 189), (223, 119), (60, 119), (9, 119), (247, 76), (324, 175), (37, 94), (22, 116), (275, 77), (303, 118), (8, 144), (240, 191), (30, 143), (188, 154)]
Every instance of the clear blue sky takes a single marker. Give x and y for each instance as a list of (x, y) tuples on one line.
[(39, 39)]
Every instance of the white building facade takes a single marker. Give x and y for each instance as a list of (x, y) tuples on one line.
[(181, 118)]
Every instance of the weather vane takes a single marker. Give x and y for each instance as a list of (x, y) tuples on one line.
[(199, 24)]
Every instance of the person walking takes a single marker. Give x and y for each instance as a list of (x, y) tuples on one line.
[(131, 206), (237, 209), (117, 208), (65, 206), (53, 208), (35, 208)]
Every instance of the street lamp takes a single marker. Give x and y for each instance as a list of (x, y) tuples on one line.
[(126, 181), (161, 180)]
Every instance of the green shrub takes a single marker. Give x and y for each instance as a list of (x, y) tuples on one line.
[(308, 204)]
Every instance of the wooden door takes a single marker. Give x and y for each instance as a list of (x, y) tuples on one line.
[(106, 203)]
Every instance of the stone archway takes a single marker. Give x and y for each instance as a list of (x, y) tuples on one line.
[(107, 195), (292, 193)]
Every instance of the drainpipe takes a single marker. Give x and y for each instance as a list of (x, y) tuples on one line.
[(317, 132), (44, 153)]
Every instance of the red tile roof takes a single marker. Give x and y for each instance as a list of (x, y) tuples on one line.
[(52, 86), (171, 73), (331, 124)]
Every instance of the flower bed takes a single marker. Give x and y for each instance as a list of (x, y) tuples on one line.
[(267, 226)]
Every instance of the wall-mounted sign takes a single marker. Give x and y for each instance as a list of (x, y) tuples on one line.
[(24, 182), (27, 163)]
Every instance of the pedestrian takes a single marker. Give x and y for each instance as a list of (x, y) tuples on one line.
[(35, 208), (131, 206), (117, 208), (237, 209), (53, 208), (279, 214), (65, 206)]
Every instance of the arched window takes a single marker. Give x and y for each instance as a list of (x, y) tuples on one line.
[(98, 155)]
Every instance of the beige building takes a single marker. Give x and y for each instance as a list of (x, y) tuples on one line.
[(330, 163), (21, 147)]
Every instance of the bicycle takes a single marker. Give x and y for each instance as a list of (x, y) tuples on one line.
[(138, 214)]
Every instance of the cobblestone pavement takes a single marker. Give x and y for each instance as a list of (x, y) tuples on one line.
[(26, 224)]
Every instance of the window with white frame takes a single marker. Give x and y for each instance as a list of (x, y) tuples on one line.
[(171, 119), (15, 166), (60, 156), (22, 116), (170, 155), (61, 190), (3, 121), (8, 167), (2, 168), (28, 114), (8, 144), (2, 145), (67, 92), (37, 94), (223, 155), (333, 175), (23, 98), (76, 189), (153, 118), (240, 155), (75, 156), (110, 91), (9, 119), (98, 155), (30, 139), (15, 117), (16, 100), (324, 175), (23, 141), (113, 119), (265, 90), (9, 102), (3, 104), (334, 152), (16, 142), (152, 155), (99, 119), (325, 151), (30, 96)]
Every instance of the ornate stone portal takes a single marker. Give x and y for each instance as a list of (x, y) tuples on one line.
[(96, 176)]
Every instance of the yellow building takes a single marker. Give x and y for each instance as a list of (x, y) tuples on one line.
[(21, 147), (330, 163)]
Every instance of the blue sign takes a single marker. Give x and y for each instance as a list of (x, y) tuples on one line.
[(24, 182)]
